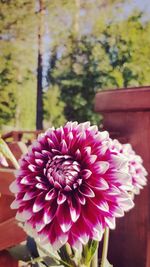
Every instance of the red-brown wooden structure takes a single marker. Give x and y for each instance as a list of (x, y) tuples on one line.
[(126, 115), (10, 233)]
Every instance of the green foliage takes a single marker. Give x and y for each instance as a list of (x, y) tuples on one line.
[(7, 99), (107, 51), (17, 57), (127, 53), (77, 74), (53, 108), (113, 57)]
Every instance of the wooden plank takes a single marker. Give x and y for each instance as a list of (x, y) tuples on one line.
[(6, 260), (6, 178), (123, 100), (5, 211), (18, 148), (18, 135), (127, 113), (10, 234)]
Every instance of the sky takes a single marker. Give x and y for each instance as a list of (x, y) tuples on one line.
[(143, 5)]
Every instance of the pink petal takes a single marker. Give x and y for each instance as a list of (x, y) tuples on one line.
[(102, 205), (110, 222), (86, 191), (51, 143), (78, 154), (86, 173), (81, 137), (80, 198), (88, 150), (14, 187), (67, 188), (61, 198), (38, 155), (75, 208), (91, 159), (122, 177), (99, 184), (97, 234), (64, 147), (49, 212), (82, 126), (51, 194), (101, 136), (81, 231), (24, 214), (57, 185), (126, 204), (41, 186), (46, 153), (64, 218), (70, 137), (39, 162), (32, 168), (117, 211), (93, 129), (39, 179), (15, 204), (75, 242), (101, 167), (29, 195), (27, 180), (39, 203)]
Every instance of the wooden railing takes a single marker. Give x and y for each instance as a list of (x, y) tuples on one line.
[(17, 136)]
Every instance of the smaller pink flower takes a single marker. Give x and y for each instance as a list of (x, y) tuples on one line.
[(3, 161), (135, 165)]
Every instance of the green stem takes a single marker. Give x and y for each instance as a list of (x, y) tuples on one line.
[(94, 262), (105, 248)]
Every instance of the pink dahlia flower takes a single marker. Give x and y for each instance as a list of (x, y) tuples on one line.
[(71, 186), (3, 161), (135, 165)]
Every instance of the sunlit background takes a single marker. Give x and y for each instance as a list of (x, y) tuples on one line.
[(55, 55)]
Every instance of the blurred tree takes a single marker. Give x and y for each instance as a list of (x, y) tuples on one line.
[(107, 59), (77, 74), (74, 66), (53, 108), (86, 55), (18, 64), (127, 53)]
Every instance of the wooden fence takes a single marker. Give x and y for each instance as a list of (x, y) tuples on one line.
[(126, 115)]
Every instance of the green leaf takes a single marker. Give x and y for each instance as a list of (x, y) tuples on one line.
[(88, 251)]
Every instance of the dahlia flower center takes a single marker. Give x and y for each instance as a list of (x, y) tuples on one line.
[(63, 169)]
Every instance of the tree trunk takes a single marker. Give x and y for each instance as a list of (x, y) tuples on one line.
[(39, 103), (76, 23)]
